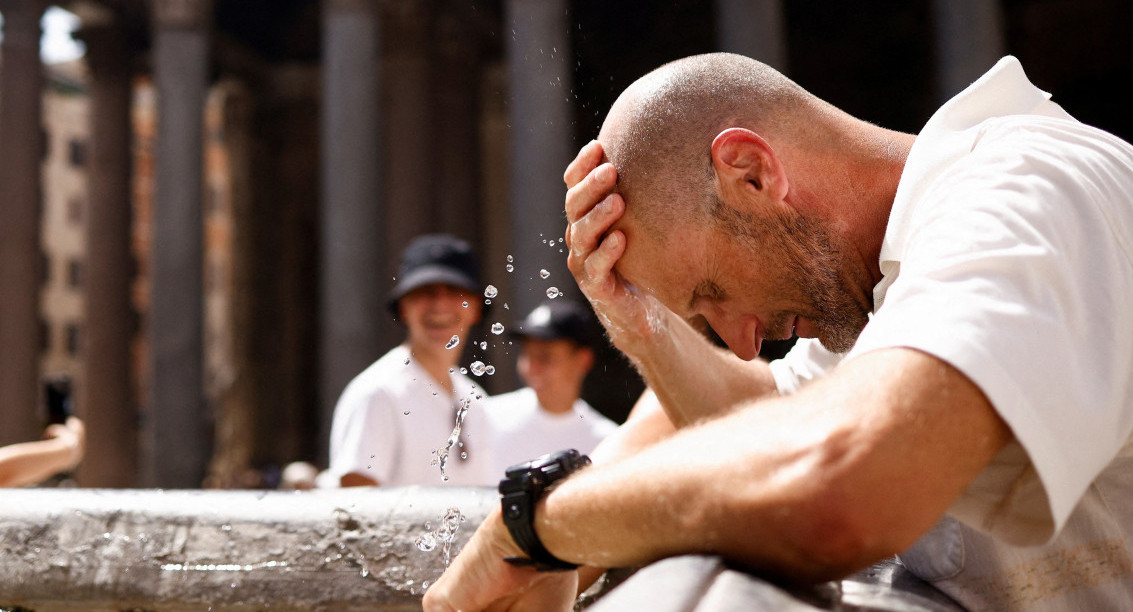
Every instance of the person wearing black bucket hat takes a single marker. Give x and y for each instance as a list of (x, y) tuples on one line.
[(393, 421), (557, 351)]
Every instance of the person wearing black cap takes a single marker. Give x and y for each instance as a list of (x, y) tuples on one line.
[(393, 422), (548, 414)]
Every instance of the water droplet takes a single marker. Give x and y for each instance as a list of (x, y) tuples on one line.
[(551, 243), (490, 291), (489, 370), (464, 304), (455, 339), (497, 328), (552, 292), (477, 368), (488, 301), (510, 259), (544, 274), (510, 268), (464, 455), (483, 345), (406, 413), (424, 584), (505, 306), (426, 542), (463, 370)]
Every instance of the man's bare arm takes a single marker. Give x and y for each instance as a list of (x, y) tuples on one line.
[(808, 487)]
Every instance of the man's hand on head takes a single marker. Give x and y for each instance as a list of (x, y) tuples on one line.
[(592, 209)]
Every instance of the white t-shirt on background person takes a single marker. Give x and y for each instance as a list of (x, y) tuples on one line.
[(392, 419)]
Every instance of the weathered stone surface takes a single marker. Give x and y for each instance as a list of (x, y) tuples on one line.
[(173, 551), (695, 583)]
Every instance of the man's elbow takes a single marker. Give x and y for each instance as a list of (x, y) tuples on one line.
[(840, 534)]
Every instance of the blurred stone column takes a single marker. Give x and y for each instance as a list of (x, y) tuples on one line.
[(178, 426), (969, 40), (455, 108), (755, 28), (352, 288), (410, 151), (107, 400), (539, 81), (21, 153)]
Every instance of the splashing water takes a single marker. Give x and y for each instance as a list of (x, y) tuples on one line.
[(510, 268), (544, 273), (510, 259), (483, 345), (497, 328), (452, 342), (477, 367), (464, 304), (490, 291), (426, 542), (489, 370), (442, 453), (446, 532), (552, 292)]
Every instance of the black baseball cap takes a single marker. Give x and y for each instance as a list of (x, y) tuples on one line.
[(435, 259), (559, 319)]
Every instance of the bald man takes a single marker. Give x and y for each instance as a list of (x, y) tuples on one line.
[(961, 396)]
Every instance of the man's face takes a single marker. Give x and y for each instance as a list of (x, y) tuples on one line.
[(750, 283), (435, 313), (554, 368)]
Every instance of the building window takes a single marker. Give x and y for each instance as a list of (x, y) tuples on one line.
[(44, 268), (73, 339), (44, 336), (77, 152), (75, 207), (75, 274)]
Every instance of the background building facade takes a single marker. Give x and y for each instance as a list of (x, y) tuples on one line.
[(251, 169)]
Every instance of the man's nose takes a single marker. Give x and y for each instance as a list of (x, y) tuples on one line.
[(740, 334)]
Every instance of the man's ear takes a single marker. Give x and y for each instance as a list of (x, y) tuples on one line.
[(746, 163)]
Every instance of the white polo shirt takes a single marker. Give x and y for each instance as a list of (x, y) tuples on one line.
[(1009, 255)]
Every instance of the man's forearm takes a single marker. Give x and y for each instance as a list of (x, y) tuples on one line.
[(694, 379), (801, 486)]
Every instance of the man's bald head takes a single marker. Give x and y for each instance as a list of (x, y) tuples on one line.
[(659, 132)]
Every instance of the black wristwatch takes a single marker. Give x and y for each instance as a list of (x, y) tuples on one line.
[(523, 486)]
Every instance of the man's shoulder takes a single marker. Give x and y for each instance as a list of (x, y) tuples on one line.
[(512, 400), (390, 373)]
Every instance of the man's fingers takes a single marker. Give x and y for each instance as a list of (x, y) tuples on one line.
[(600, 264), (585, 234), (587, 159), (595, 186)]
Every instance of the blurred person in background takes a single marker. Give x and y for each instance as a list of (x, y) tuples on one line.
[(392, 424), (548, 414)]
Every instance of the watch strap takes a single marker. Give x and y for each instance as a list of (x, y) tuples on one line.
[(522, 530)]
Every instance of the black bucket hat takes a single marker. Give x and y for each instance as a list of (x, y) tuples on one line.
[(559, 319), (435, 259)]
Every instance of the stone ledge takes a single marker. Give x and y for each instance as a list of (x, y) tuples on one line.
[(178, 551)]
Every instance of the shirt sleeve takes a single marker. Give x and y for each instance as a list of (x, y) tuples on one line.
[(1014, 275), (806, 362), (365, 437)]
